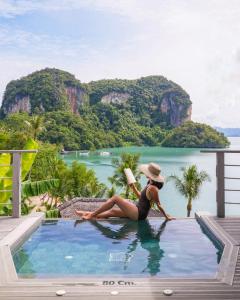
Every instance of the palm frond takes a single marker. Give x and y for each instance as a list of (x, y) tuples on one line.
[(30, 189), (179, 184), (27, 123)]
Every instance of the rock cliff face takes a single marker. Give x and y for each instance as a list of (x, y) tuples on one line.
[(20, 104), (76, 97), (115, 98), (177, 111)]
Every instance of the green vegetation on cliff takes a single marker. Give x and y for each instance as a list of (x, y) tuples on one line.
[(195, 135)]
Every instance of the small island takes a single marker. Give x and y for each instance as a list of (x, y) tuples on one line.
[(195, 135)]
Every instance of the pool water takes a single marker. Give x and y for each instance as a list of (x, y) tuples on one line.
[(68, 248)]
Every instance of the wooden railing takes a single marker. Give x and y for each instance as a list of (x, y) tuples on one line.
[(220, 174), (16, 179)]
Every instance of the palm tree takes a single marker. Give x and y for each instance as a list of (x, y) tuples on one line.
[(190, 183), (127, 160), (35, 125)]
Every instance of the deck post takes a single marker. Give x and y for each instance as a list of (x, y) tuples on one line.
[(16, 191), (220, 196)]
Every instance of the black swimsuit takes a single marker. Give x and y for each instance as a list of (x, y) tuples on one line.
[(143, 205)]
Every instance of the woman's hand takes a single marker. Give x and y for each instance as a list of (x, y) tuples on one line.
[(134, 189)]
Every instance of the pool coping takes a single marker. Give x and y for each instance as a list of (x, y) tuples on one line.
[(11, 242), (9, 275), (227, 265)]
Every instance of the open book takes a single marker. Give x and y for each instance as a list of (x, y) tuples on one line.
[(130, 177)]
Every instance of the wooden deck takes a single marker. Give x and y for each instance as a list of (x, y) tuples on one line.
[(8, 224), (232, 227), (150, 289)]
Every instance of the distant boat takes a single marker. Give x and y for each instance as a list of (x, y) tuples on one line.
[(104, 153), (83, 153)]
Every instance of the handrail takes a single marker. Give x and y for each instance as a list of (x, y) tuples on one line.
[(220, 174), (16, 179), (220, 151)]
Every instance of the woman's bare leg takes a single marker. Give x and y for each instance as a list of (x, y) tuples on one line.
[(129, 209), (107, 214), (112, 213)]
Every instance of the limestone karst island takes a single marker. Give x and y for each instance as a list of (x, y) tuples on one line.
[(150, 111)]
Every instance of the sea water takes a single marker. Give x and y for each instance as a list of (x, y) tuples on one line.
[(171, 161)]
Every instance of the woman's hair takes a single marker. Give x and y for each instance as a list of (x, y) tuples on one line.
[(159, 185)]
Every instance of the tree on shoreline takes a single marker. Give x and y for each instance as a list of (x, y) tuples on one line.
[(190, 183)]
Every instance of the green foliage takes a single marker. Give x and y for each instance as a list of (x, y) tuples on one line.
[(71, 181), (190, 183), (28, 158), (16, 122), (195, 135), (119, 179), (35, 125), (112, 191), (53, 213), (16, 129), (78, 181), (5, 210), (5, 183), (35, 188), (26, 164), (47, 163), (100, 127), (26, 206), (13, 132)]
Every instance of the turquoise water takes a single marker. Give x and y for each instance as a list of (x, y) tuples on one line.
[(67, 248), (171, 160)]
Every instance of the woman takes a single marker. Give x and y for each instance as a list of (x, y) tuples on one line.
[(127, 209)]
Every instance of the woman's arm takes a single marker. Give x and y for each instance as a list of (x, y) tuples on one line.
[(152, 194), (135, 190)]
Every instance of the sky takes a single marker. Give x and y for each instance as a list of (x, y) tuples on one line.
[(195, 43)]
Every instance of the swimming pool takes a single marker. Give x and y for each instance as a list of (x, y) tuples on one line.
[(68, 248)]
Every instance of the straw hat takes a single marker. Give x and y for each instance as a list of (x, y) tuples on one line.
[(152, 171)]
